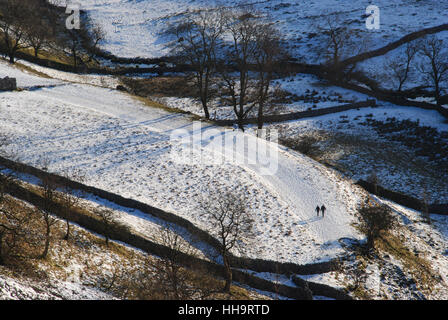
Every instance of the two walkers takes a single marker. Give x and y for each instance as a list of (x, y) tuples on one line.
[(321, 209)]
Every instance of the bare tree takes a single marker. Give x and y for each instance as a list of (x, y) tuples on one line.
[(69, 200), (72, 42), (141, 283), (9, 226), (340, 42), (435, 68), (166, 278), (41, 27), (93, 38), (401, 69), (374, 221), (109, 222), (114, 283), (49, 187), (240, 53), (13, 26), (198, 37), (231, 222), (78, 42), (97, 35), (248, 44), (268, 53), (337, 42), (16, 224), (14, 229), (37, 38), (5, 180), (172, 279)]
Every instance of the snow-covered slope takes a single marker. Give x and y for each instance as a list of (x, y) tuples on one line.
[(15, 289), (133, 27), (124, 146)]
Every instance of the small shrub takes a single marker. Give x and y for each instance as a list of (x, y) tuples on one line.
[(374, 221), (306, 144)]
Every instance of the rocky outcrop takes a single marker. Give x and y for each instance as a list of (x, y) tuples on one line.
[(8, 84)]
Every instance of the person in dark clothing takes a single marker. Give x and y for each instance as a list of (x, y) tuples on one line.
[(323, 209), (317, 210)]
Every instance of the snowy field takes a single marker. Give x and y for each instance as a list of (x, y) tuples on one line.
[(13, 289), (352, 142), (71, 122), (305, 92), (123, 146), (427, 242), (133, 27)]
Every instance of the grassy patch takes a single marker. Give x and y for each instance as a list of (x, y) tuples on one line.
[(47, 55), (27, 69), (361, 293), (151, 103), (358, 289), (420, 268), (115, 269), (398, 166), (161, 87), (58, 57), (308, 144)]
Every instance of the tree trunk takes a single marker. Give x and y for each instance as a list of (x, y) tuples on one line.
[(205, 107), (260, 116), (205, 94), (67, 235), (228, 273), (437, 94), (240, 124), (47, 243), (175, 281), (2, 261)]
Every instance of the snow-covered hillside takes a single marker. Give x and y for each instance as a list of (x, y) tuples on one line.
[(124, 146), (351, 141), (127, 145), (13, 289), (133, 27)]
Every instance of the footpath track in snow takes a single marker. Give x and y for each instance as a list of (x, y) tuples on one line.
[(124, 146)]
